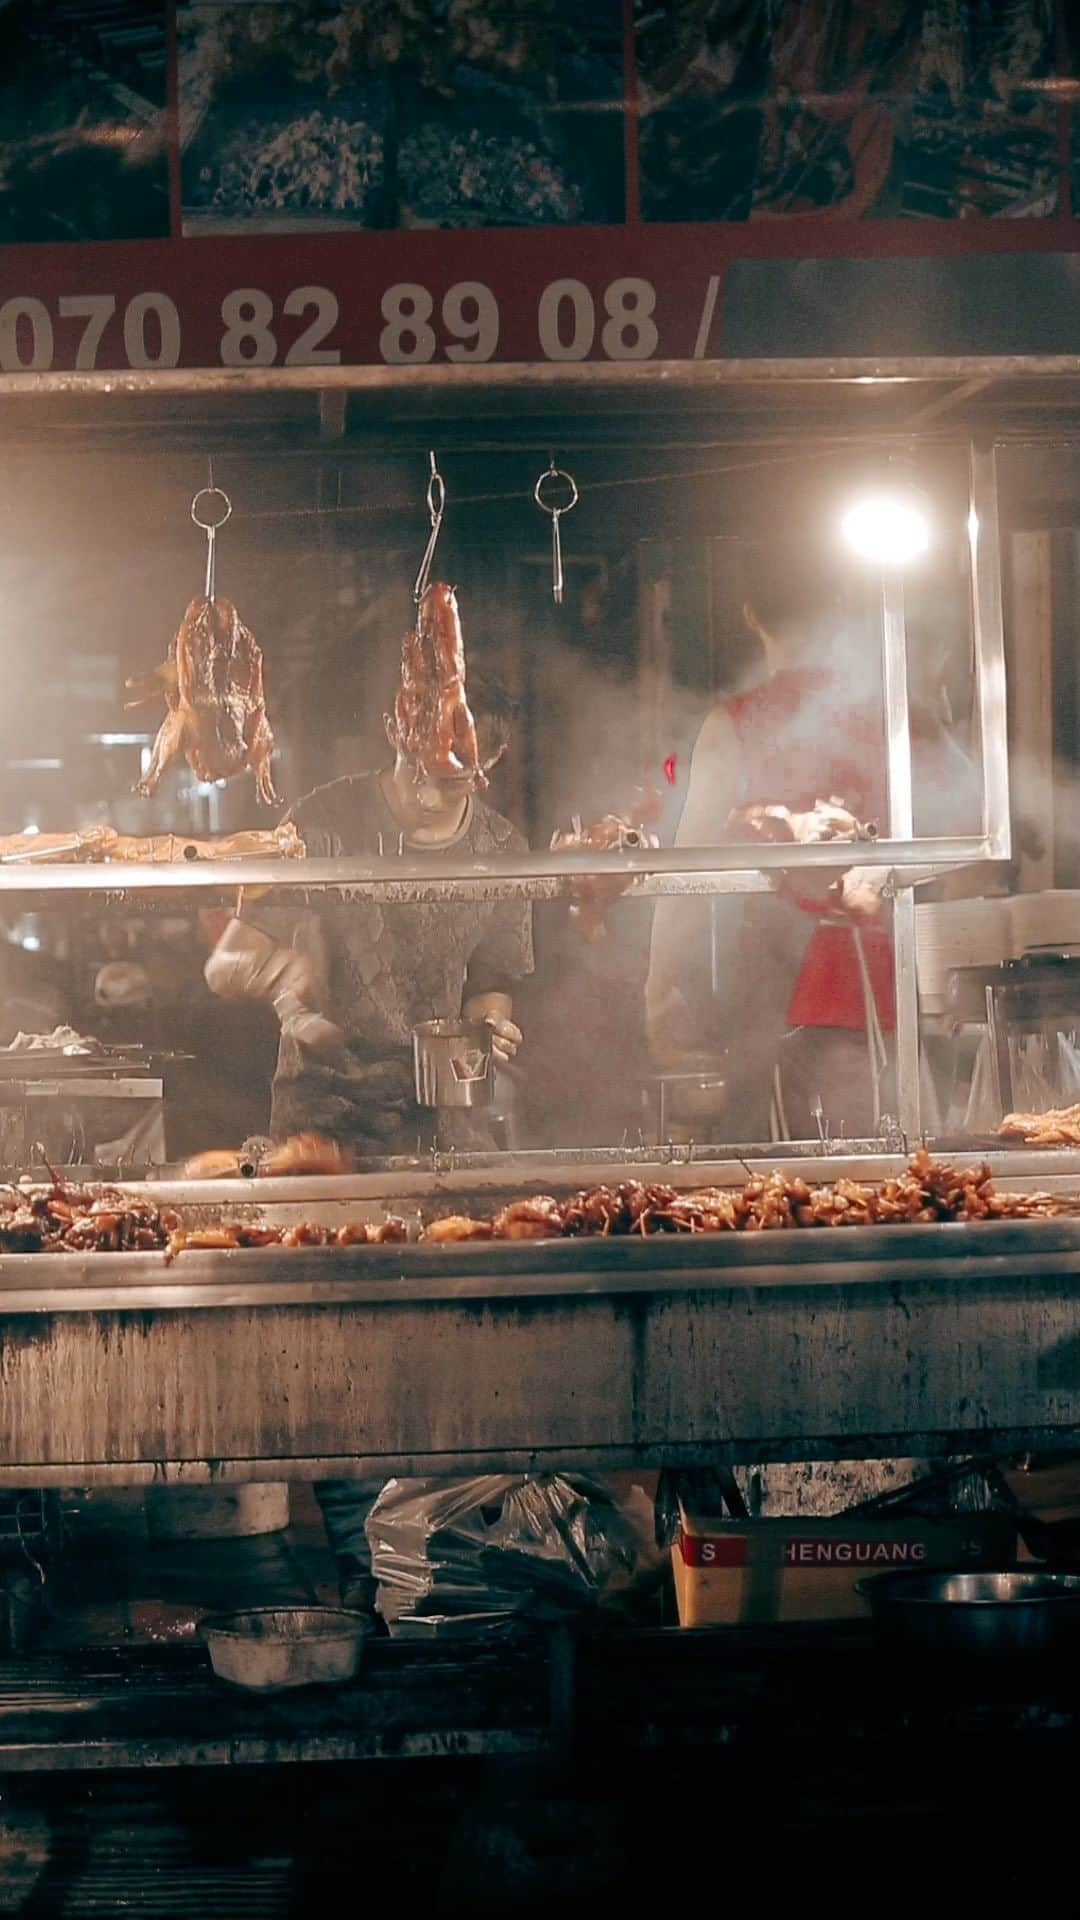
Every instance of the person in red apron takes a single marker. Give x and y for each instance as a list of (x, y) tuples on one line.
[(800, 993), (802, 989)]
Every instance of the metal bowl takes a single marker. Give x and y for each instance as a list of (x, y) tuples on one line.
[(267, 1649), (1021, 1610)]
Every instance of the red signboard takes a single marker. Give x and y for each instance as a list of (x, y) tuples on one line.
[(461, 298)]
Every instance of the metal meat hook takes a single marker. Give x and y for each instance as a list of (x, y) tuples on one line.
[(211, 517), (552, 472), (436, 506)]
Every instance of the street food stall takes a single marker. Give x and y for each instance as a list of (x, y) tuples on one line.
[(609, 1286), (539, 948), (209, 1353)]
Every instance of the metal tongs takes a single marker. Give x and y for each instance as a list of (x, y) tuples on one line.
[(552, 472), (436, 506), (211, 519)]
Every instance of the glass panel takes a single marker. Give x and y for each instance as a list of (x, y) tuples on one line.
[(711, 681)]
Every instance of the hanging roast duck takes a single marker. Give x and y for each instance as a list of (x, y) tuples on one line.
[(212, 684)]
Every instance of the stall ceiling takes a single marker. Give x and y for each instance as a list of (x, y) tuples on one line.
[(581, 405)]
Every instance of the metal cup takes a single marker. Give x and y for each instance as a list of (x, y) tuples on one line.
[(453, 1063)]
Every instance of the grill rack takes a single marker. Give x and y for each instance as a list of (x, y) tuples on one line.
[(31, 1525)]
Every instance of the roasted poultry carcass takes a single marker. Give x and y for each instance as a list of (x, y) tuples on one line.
[(1058, 1127), (537, 1219), (101, 843), (615, 833), (212, 684), (456, 1226), (302, 1153), (434, 722), (855, 893)]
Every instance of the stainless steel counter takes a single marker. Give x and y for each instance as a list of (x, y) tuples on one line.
[(418, 1359)]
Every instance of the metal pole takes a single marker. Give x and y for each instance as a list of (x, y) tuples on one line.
[(989, 634), (457, 875), (898, 758)]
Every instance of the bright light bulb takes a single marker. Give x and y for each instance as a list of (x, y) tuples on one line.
[(891, 528)]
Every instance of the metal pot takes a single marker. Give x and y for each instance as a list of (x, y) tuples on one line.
[(453, 1063), (268, 1649), (217, 1513), (1017, 1611)]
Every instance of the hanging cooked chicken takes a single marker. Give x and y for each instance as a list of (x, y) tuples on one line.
[(212, 683), (434, 720)]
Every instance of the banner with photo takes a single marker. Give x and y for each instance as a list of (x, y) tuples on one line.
[(843, 109), (320, 182)]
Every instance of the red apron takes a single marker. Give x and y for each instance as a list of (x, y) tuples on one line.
[(801, 740)]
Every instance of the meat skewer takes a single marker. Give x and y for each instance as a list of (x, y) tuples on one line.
[(76, 1219), (69, 1219), (928, 1190)]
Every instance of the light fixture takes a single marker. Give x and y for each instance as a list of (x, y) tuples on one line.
[(889, 523)]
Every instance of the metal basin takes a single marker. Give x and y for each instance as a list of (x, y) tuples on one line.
[(1017, 1611), (268, 1649)]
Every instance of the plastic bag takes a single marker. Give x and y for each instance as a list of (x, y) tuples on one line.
[(1033, 1061), (1068, 1073), (1036, 1062), (464, 1557)]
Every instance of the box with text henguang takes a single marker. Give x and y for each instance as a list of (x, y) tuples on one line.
[(757, 1572)]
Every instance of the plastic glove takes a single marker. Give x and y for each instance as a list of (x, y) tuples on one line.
[(247, 965)]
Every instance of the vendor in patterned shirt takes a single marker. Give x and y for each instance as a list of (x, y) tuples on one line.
[(374, 972)]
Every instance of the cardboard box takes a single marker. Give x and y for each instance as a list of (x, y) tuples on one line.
[(1051, 1493), (758, 1572)]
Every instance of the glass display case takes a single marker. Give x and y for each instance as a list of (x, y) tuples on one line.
[(634, 562)]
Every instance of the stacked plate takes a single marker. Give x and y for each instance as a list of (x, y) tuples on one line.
[(983, 933), (959, 933), (1045, 922)]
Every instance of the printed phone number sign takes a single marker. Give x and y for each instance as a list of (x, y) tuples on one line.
[(195, 304)]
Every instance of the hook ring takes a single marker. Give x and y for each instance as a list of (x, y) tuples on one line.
[(436, 506), (211, 524), (555, 473), (436, 496)]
